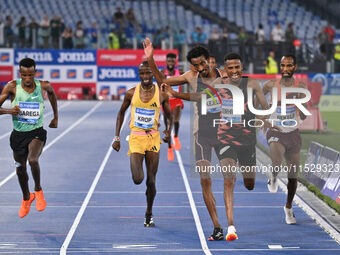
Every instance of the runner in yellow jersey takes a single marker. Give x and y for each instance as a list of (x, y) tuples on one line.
[(28, 137), (144, 141)]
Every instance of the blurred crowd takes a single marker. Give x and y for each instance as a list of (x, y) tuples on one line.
[(124, 31)]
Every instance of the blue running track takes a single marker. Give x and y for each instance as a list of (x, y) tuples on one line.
[(93, 207)]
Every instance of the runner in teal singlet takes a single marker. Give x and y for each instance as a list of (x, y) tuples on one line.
[(28, 137)]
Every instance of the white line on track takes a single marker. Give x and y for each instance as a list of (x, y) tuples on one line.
[(45, 115), (148, 251), (311, 213), (155, 206), (82, 209), (57, 138), (140, 192), (193, 206)]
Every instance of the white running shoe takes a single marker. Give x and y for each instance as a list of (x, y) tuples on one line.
[(231, 236), (290, 217), (272, 185)]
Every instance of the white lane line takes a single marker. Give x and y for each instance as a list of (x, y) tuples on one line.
[(146, 251), (82, 209), (311, 213), (198, 224), (143, 206), (57, 138), (45, 115), (138, 192)]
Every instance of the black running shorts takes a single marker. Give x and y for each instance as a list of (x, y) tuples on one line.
[(291, 141), (19, 141), (245, 155)]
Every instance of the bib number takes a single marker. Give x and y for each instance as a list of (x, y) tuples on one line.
[(227, 111), (29, 112), (213, 107), (290, 115), (144, 118)]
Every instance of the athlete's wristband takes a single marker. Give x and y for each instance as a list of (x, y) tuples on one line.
[(117, 138)]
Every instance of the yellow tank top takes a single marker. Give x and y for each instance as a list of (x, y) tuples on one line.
[(145, 116)]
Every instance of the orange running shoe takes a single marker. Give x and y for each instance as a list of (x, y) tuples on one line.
[(41, 202), (231, 236), (26, 205), (171, 155), (177, 143)]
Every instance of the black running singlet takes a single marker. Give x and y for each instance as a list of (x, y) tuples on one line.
[(237, 134), (205, 122)]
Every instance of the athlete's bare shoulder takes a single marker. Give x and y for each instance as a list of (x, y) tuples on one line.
[(270, 83), (10, 86), (8, 90), (44, 83), (190, 74), (252, 81), (130, 92), (221, 72), (218, 80), (267, 86)]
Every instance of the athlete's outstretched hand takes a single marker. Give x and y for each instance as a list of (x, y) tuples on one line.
[(116, 145), (166, 138), (54, 123), (148, 48), (15, 110), (166, 88)]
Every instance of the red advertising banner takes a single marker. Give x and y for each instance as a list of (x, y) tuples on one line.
[(6, 74), (300, 77), (129, 57), (74, 91)]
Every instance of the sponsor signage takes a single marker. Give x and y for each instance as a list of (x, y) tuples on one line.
[(105, 67), (55, 74), (129, 57), (39, 74), (330, 103), (313, 155), (64, 73), (6, 74), (110, 89), (121, 90), (6, 57), (104, 92), (118, 73), (88, 74), (324, 166), (71, 73), (73, 90), (330, 82), (332, 185), (57, 57), (319, 164)]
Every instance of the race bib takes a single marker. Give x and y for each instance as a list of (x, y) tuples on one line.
[(213, 107), (29, 112), (290, 115), (144, 118), (227, 111)]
